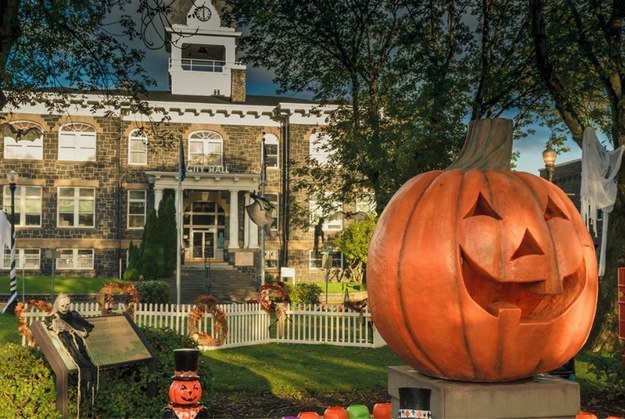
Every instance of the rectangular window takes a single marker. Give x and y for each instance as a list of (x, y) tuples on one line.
[(75, 259), (136, 209), (77, 146), (329, 223), (23, 149), (76, 207), (316, 261), (28, 259), (137, 150), (271, 258), (271, 156), (27, 205), (275, 213)]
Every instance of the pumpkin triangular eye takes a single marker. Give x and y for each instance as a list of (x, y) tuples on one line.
[(553, 211), (482, 207), (528, 246)]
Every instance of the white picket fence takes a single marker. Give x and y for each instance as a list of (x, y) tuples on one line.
[(248, 324)]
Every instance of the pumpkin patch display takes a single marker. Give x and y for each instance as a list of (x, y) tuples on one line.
[(477, 273), (185, 392)]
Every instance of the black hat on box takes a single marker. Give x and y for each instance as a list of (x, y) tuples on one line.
[(185, 361), (413, 398)]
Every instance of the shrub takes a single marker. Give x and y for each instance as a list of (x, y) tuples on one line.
[(305, 293), (123, 392), (27, 384), (131, 274), (606, 367), (155, 292)]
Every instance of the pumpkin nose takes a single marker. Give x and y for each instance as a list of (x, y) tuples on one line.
[(528, 246)]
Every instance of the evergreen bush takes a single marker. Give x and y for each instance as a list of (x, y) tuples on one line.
[(155, 292)]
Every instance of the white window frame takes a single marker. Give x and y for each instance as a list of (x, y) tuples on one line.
[(136, 200), (23, 194), (137, 148), (205, 139), (21, 259), (23, 149), (317, 142), (274, 199), (77, 199), (74, 255), (77, 142), (272, 158), (366, 205), (311, 258), (271, 258), (328, 225)]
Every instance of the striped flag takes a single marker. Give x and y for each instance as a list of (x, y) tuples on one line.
[(5, 240), (182, 171)]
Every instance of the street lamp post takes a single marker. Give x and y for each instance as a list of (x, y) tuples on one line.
[(12, 178), (549, 157)]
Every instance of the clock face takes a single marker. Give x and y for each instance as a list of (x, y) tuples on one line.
[(203, 13)]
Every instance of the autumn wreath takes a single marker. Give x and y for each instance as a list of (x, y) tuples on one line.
[(208, 304), (106, 295), (274, 300), (22, 326)]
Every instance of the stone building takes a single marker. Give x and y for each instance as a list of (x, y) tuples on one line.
[(87, 182)]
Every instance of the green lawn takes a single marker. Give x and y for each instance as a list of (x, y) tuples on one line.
[(39, 284), (286, 369), (8, 329)]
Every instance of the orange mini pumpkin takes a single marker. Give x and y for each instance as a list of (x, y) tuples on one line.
[(477, 273), (185, 392)]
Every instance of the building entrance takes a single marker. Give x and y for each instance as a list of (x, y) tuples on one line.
[(204, 228)]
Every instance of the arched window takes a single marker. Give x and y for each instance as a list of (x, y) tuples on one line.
[(77, 142), (23, 140), (271, 150), (318, 147), (205, 149), (137, 147)]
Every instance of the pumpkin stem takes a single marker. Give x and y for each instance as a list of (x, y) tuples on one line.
[(488, 146)]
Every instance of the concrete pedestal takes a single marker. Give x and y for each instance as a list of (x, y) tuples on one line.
[(543, 396)]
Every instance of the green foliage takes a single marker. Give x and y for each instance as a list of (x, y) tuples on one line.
[(123, 391), (608, 372), (131, 274), (151, 249), (155, 292), (167, 228), (305, 293), (27, 389), (353, 242)]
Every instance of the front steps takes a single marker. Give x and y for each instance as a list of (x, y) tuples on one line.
[(224, 283)]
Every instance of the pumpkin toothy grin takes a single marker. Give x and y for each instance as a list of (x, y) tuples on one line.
[(494, 295)]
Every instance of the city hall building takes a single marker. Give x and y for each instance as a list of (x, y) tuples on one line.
[(86, 181)]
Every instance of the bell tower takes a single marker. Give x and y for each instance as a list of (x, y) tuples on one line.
[(202, 61)]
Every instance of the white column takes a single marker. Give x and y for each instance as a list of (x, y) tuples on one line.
[(158, 197), (234, 220), (246, 222), (251, 229)]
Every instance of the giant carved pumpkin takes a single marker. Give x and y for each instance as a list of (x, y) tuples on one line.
[(477, 273)]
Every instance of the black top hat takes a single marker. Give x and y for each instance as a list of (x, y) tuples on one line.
[(413, 398), (186, 359)]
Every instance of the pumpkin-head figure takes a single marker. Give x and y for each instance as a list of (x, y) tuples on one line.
[(477, 273), (186, 389)]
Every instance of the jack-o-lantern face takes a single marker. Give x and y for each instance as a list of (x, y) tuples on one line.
[(482, 275), (185, 392)]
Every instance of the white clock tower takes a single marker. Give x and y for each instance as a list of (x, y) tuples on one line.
[(203, 56)]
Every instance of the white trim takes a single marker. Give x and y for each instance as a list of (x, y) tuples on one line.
[(271, 139)]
